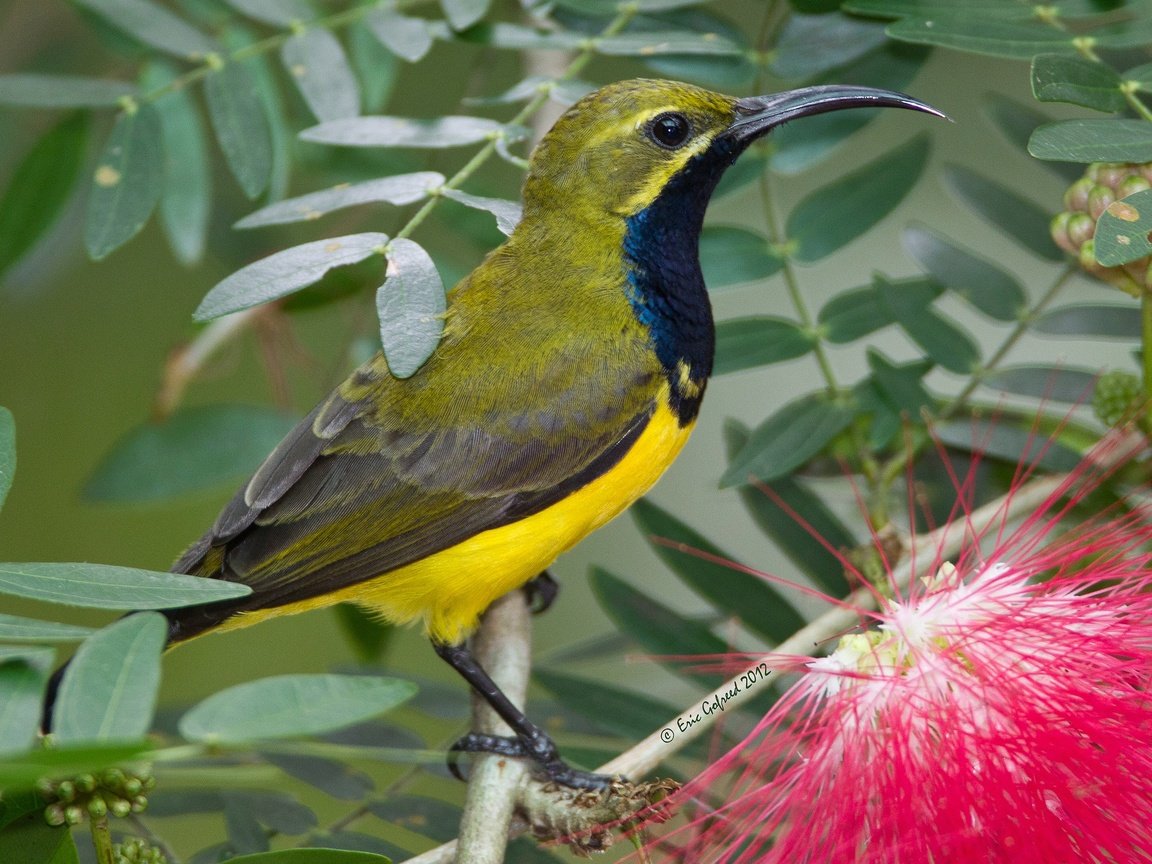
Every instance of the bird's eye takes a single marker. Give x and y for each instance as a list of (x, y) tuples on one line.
[(669, 130)]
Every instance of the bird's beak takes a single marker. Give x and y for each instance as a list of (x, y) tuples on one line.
[(756, 115)]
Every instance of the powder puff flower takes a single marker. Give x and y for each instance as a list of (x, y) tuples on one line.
[(996, 711)]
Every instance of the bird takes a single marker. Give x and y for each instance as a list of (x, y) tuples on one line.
[(570, 374)]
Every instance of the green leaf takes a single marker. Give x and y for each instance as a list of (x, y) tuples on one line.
[(402, 132), (410, 305), (905, 8), (731, 256), (1093, 139), (31, 840), (40, 186), (286, 272), (799, 146), (1017, 121), (751, 599), (317, 63), (900, 385), (652, 625), (127, 182), (109, 689), (292, 705), (1019, 218), (196, 448), (27, 768), (368, 633), (833, 216), (329, 776), (507, 213), (519, 37), (759, 340), (813, 44), (851, 315), (998, 37), (185, 203), (22, 684), (101, 586), (939, 338), (1091, 321), (658, 42), (429, 817), (18, 629), (408, 38), (1122, 230), (62, 91), (278, 13), (1019, 445), (1075, 79), (462, 14), (398, 189), (627, 713), (993, 291), (789, 438), (153, 25), (376, 67), (312, 856), (1049, 383), (7, 452), (241, 125), (797, 521), (267, 86)]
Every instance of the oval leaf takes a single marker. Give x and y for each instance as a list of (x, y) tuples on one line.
[(62, 91), (1017, 121), (940, 339), (241, 126), (1093, 139), (403, 132), (507, 213), (102, 586), (268, 91), (407, 38), (287, 272), (657, 43), (153, 25), (109, 688), (18, 629), (627, 713), (833, 216), (990, 289), (462, 14), (1017, 217), (730, 256), (1049, 383), (278, 13), (1122, 230), (733, 593), (985, 35), (22, 684), (852, 315), (812, 44), (399, 189), (127, 183), (292, 705), (27, 768), (7, 452), (1075, 79), (376, 67), (429, 817), (1091, 321), (411, 306), (196, 448), (1021, 446), (745, 343), (789, 438), (317, 63)]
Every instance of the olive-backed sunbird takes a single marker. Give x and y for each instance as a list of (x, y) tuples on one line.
[(571, 370)]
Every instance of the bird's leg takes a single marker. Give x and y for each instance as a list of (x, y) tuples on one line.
[(541, 592), (530, 740)]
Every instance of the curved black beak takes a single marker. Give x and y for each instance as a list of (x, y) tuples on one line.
[(756, 115)]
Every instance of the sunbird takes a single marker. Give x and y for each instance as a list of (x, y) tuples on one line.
[(570, 374)]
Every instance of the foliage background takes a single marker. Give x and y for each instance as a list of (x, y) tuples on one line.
[(83, 345)]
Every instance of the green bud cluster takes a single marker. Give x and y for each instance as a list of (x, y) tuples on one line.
[(113, 791), (1086, 199), (137, 851), (1117, 397)]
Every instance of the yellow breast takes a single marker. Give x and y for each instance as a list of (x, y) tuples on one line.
[(450, 589)]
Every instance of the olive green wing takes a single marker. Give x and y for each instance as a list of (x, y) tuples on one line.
[(356, 490)]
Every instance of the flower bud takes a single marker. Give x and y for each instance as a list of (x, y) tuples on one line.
[(1088, 255), (1080, 229), (1110, 174), (97, 807), (119, 807), (1099, 199), (66, 791), (1076, 198), (54, 815), (1116, 397), (1132, 184), (73, 815)]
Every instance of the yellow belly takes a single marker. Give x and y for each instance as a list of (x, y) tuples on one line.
[(450, 589)]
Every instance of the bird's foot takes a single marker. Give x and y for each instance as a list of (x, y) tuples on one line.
[(540, 750), (541, 592)]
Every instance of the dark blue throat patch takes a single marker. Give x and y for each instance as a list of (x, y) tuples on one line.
[(666, 287)]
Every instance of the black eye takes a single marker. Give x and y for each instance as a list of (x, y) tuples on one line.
[(669, 130)]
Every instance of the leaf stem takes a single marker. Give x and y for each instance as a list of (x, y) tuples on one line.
[(102, 840)]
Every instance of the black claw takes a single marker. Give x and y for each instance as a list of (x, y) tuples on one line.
[(542, 592), (541, 751)]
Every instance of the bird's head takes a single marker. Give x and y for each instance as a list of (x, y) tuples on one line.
[(619, 148)]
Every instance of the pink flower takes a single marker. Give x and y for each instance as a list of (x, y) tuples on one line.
[(998, 711)]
